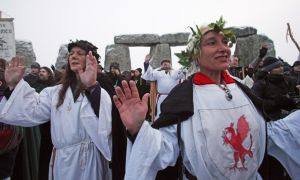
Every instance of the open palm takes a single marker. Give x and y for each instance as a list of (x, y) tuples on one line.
[(14, 71), (89, 75), (131, 108)]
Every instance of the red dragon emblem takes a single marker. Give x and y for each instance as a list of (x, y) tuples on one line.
[(235, 139)]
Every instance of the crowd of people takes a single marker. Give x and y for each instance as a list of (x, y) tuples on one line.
[(216, 120)]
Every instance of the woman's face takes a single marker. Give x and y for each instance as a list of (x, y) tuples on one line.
[(215, 52), (77, 58)]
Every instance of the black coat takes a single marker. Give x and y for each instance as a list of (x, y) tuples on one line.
[(275, 89)]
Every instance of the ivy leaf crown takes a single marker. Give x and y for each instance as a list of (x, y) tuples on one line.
[(192, 50)]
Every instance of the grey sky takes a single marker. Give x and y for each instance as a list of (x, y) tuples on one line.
[(48, 24)]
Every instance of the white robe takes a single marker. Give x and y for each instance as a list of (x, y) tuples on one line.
[(83, 141), (205, 152), (165, 83)]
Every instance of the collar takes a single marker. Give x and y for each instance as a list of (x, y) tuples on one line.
[(202, 79)]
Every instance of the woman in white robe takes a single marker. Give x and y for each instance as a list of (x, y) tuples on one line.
[(80, 131), (222, 137)]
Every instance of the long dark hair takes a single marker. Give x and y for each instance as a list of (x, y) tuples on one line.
[(68, 78)]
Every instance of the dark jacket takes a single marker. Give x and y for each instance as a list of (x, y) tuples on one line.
[(31, 78), (119, 139), (142, 85), (275, 88)]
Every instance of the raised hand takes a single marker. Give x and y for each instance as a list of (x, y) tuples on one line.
[(89, 76), (131, 108), (14, 71)]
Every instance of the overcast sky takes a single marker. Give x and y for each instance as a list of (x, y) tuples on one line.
[(48, 24)]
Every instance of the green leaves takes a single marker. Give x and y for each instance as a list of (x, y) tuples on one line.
[(218, 25), (184, 59), (193, 46)]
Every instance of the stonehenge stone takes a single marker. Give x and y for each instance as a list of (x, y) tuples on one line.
[(117, 53), (159, 52)]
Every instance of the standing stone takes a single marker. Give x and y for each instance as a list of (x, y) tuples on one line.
[(247, 48), (137, 39), (25, 49), (62, 56), (177, 39), (117, 53), (243, 31), (159, 52)]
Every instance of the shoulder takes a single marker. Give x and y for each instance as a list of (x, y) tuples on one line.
[(52, 90)]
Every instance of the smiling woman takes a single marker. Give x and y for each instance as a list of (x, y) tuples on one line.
[(217, 136)]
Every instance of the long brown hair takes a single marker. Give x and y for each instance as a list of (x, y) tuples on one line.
[(68, 77)]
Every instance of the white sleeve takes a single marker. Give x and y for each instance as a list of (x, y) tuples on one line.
[(150, 74), (153, 150), (284, 142), (25, 107), (179, 74), (99, 128)]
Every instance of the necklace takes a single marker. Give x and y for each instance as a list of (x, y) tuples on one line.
[(228, 94)]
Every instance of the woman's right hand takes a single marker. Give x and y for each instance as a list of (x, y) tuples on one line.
[(14, 71), (131, 108)]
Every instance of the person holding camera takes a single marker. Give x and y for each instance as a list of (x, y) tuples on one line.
[(275, 87)]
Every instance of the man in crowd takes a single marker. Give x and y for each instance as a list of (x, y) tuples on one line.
[(165, 76), (33, 76)]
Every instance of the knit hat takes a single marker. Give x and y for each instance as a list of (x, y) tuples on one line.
[(35, 65), (271, 63)]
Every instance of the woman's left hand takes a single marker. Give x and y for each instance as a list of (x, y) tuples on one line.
[(89, 76)]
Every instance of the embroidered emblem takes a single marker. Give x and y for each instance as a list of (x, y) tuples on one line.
[(235, 139)]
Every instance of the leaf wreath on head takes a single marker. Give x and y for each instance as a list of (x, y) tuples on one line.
[(192, 50)]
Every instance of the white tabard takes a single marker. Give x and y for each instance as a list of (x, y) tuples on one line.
[(165, 82), (82, 140), (223, 139)]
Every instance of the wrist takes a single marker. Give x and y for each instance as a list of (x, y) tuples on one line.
[(92, 87)]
